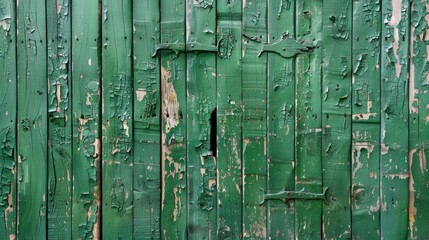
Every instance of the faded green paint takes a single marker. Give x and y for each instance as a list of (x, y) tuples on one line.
[(86, 106), (336, 116), (308, 133), (8, 111), (280, 118), (254, 142), (201, 104), (229, 119), (394, 119), (117, 119), (146, 121), (174, 116), (418, 204), (365, 195), (32, 117), (59, 108)]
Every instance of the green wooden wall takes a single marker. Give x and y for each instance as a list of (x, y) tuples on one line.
[(214, 119)]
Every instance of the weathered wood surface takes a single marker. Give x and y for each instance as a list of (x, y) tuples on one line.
[(174, 203), (86, 117), (183, 119), (8, 120), (365, 190), (394, 158), (336, 116), (201, 120), (59, 125), (32, 135), (146, 121), (229, 119), (280, 119), (117, 119), (254, 142), (308, 112)]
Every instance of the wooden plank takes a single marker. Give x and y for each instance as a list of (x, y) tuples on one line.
[(59, 128), (336, 117), (394, 119), (281, 120), (8, 110), (201, 124), (146, 121), (308, 112), (229, 119), (255, 119), (32, 117), (117, 124), (174, 115), (418, 204), (86, 105), (365, 195)]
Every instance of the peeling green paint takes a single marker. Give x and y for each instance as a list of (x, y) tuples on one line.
[(229, 119), (86, 98), (418, 204), (201, 103), (8, 108), (336, 117), (32, 120), (394, 119), (213, 119), (254, 142), (280, 116), (365, 195), (146, 122), (117, 124), (308, 120), (59, 147), (174, 121)]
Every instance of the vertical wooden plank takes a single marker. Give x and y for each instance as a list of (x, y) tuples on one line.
[(254, 75), (229, 120), (59, 108), (308, 133), (146, 121), (8, 104), (336, 117), (173, 110), (418, 205), (281, 120), (201, 124), (365, 195), (117, 113), (32, 117), (394, 119), (86, 96)]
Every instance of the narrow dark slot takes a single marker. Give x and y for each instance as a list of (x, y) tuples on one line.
[(213, 132)]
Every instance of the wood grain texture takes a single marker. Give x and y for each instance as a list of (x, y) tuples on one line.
[(308, 112), (60, 124), (394, 119), (86, 117), (365, 195), (8, 121), (117, 124), (174, 122), (280, 119), (201, 120), (146, 121), (33, 120), (254, 142), (418, 204), (336, 117), (229, 119)]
